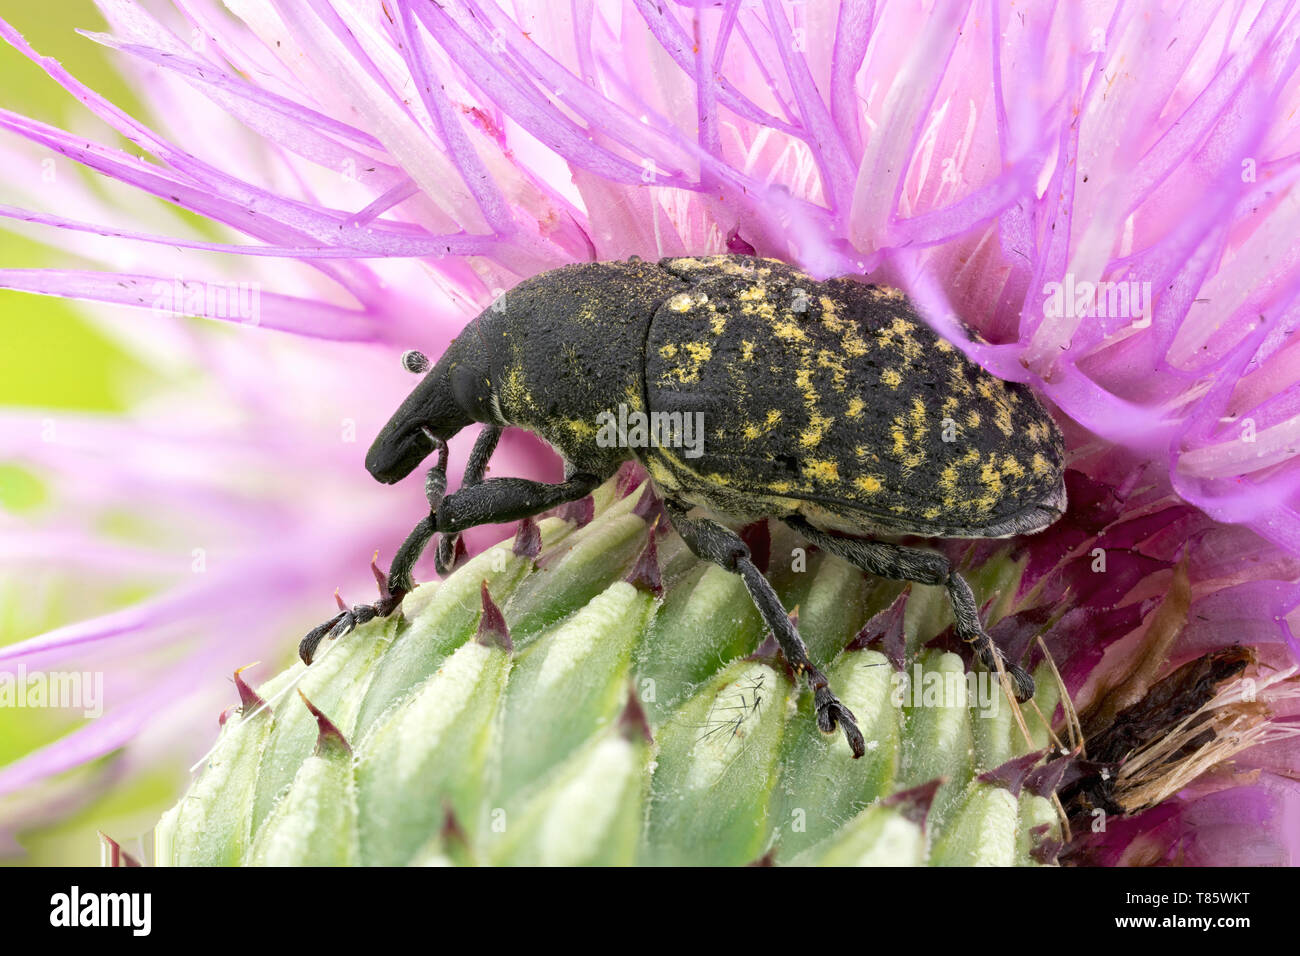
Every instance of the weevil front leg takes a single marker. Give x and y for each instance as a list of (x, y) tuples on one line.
[(486, 443), (716, 543), (395, 585), (922, 567), (490, 502), (497, 500)]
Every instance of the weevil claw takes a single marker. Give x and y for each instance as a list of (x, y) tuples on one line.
[(307, 646), (1020, 681), (831, 713)]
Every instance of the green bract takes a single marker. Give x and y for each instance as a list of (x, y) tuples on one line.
[(594, 721)]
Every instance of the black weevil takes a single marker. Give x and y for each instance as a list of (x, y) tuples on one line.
[(828, 405)]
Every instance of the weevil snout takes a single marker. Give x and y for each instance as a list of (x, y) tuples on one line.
[(394, 456)]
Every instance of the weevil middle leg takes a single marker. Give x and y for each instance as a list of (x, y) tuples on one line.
[(475, 469), (922, 567), (719, 544)]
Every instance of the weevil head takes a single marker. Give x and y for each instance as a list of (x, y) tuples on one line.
[(453, 394)]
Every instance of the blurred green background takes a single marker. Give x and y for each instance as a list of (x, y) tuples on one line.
[(52, 358)]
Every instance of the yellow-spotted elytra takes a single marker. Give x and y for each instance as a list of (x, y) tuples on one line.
[(829, 405)]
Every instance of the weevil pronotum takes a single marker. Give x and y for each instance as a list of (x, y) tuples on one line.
[(828, 405)]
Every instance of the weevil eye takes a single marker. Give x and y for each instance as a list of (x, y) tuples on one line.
[(415, 361)]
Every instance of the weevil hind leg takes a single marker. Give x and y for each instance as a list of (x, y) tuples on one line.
[(720, 545), (922, 567)]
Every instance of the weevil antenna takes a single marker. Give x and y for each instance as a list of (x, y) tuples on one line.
[(413, 360)]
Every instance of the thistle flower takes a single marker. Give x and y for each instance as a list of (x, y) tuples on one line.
[(1105, 194)]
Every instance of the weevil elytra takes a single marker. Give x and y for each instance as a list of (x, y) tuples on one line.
[(829, 405)]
